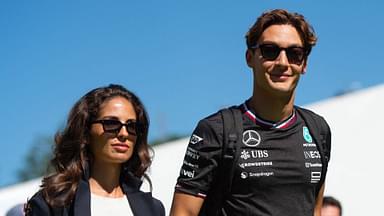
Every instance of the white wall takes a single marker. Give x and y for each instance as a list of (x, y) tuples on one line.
[(356, 166), (165, 169), (15, 194)]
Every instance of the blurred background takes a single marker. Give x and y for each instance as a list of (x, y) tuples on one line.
[(184, 59)]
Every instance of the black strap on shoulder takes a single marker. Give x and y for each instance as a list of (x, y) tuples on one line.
[(221, 187), (233, 130), (321, 133)]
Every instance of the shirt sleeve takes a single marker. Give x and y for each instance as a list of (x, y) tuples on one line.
[(202, 157)]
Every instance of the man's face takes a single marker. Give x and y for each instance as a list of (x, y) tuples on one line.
[(280, 75), (330, 211)]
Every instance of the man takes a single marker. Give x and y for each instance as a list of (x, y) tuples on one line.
[(331, 207), (280, 170)]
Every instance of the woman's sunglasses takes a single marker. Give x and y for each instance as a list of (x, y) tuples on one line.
[(270, 52), (114, 126)]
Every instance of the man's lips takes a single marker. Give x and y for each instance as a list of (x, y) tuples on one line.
[(279, 77)]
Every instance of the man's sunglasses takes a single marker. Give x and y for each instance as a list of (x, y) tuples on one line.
[(294, 54), (114, 126)]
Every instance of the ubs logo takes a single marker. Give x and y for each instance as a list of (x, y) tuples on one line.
[(251, 138)]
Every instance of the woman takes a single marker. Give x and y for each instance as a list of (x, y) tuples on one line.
[(100, 159)]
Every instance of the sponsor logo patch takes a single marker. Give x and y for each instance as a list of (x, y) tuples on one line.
[(254, 154), (187, 173), (311, 154), (191, 153), (307, 136), (251, 138), (256, 164), (245, 175), (315, 177), (195, 139)]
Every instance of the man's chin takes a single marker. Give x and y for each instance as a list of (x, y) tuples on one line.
[(282, 88)]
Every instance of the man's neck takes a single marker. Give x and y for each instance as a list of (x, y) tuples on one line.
[(271, 107)]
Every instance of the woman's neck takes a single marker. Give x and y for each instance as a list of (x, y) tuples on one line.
[(105, 180)]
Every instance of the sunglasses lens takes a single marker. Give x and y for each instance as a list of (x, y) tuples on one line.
[(112, 126), (132, 127), (269, 51), (295, 55)]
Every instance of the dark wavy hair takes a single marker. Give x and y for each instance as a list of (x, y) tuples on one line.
[(72, 155), (282, 17), (331, 201)]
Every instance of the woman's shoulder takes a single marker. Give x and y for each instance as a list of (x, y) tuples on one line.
[(141, 201), (151, 203), (158, 206), (37, 205), (154, 201)]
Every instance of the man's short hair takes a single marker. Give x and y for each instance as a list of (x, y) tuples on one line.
[(331, 201), (282, 17)]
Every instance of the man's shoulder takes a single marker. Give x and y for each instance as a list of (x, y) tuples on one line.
[(305, 112), (318, 126), (217, 117), (212, 125)]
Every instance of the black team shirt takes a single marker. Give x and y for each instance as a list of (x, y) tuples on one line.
[(276, 174)]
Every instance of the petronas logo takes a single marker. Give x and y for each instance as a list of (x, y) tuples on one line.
[(307, 136)]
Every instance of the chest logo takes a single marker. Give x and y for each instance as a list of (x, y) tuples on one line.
[(251, 138), (195, 139), (307, 136)]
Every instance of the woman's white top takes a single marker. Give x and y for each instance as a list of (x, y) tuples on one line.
[(109, 206)]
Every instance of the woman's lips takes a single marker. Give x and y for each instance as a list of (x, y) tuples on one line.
[(120, 147)]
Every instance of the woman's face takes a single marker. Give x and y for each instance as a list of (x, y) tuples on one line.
[(113, 147)]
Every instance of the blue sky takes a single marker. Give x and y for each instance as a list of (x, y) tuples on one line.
[(184, 59)]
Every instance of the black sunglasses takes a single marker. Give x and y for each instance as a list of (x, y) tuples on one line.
[(114, 126), (294, 54)]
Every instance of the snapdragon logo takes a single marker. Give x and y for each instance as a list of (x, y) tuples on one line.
[(244, 175)]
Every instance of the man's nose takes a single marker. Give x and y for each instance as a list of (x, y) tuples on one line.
[(282, 59)]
